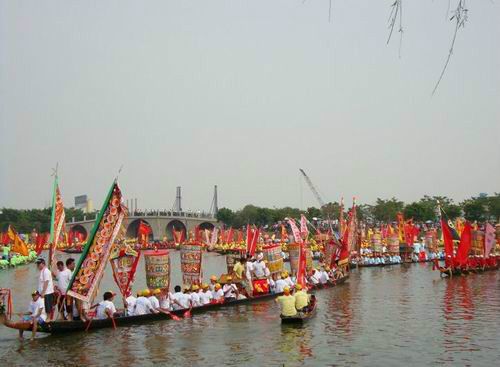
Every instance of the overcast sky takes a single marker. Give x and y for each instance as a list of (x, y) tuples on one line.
[(242, 94)]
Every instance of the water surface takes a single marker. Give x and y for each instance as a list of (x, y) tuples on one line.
[(394, 316)]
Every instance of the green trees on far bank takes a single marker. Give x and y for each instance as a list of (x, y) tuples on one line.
[(25, 220), (384, 210), (479, 208)]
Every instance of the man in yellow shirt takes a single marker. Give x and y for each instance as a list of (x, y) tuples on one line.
[(239, 268), (301, 298), (287, 303)]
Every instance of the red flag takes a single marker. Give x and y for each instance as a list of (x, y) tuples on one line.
[(464, 245), (240, 236), (249, 238), (41, 240), (448, 243), (5, 239), (409, 233), (252, 239), (230, 235), (303, 226)]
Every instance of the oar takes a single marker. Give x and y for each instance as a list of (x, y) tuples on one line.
[(187, 314), (173, 316), (88, 325)]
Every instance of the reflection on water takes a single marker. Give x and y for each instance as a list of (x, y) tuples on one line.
[(387, 316)]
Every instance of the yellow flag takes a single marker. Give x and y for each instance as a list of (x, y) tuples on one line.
[(18, 244)]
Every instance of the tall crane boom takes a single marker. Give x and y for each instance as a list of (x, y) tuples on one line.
[(313, 189)]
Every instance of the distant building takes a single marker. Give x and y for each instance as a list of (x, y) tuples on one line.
[(84, 203)]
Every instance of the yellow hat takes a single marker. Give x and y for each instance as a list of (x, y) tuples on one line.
[(327, 268), (213, 277), (217, 286), (286, 290), (195, 287), (146, 292), (204, 286), (229, 278), (157, 291), (284, 274), (298, 287)]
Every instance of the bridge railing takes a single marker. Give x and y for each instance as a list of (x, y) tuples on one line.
[(156, 213)]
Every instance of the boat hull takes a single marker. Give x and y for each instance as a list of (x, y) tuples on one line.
[(56, 327), (301, 317)]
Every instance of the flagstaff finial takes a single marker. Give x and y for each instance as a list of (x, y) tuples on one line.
[(54, 170), (118, 174)]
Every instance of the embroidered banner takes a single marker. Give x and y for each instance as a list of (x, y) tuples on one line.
[(56, 222), (157, 269), (90, 268), (191, 257), (124, 264)]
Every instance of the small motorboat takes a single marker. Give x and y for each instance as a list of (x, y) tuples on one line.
[(301, 317)]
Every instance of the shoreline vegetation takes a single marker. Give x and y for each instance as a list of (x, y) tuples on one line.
[(479, 208)]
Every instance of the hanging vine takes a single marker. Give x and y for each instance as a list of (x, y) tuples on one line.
[(395, 16), (460, 16)]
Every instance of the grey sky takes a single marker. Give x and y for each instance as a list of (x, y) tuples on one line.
[(242, 94)]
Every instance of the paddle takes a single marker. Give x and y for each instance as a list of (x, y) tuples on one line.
[(187, 314), (173, 316)]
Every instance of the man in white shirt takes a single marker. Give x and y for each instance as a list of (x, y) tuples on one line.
[(315, 277), (289, 282), (130, 302), (230, 290), (106, 308), (213, 282), (280, 284), (46, 288), (63, 278), (259, 267), (36, 314), (155, 302), (143, 305), (205, 295), (323, 275), (180, 300), (218, 293), (195, 296), (165, 301)]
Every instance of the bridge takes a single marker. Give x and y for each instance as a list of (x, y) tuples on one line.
[(160, 222)]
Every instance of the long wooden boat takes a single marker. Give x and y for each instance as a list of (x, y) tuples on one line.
[(301, 317), (63, 326)]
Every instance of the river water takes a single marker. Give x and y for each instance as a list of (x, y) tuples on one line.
[(394, 316)]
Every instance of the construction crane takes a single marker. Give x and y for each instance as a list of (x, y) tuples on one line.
[(313, 189)]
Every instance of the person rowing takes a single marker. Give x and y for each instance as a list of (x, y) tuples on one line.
[(205, 294), (213, 282), (36, 314), (287, 303), (180, 300), (218, 293), (129, 305), (230, 290), (195, 296), (302, 298), (153, 298), (143, 305), (106, 308)]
